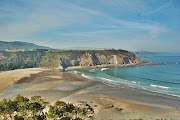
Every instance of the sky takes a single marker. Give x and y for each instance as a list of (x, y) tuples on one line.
[(148, 25)]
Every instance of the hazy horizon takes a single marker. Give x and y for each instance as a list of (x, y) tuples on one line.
[(120, 24)]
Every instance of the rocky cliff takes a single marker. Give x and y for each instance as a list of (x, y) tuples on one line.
[(99, 57), (62, 59)]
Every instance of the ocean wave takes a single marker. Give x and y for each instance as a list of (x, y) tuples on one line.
[(75, 72), (133, 82), (83, 75), (92, 70), (119, 82), (164, 93), (106, 79), (163, 87), (113, 83), (102, 69), (148, 79), (174, 95)]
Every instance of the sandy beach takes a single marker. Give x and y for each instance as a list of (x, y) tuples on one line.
[(53, 85), (8, 78)]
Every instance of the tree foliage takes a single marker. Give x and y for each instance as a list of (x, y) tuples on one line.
[(20, 59), (23, 108)]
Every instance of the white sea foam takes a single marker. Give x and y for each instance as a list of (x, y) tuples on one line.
[(106, 79), (174, 95), (76, 72), (163, 87), (86, 76), (92, 70), (102, 69), (133, 82), (165, 93), (153, 85)]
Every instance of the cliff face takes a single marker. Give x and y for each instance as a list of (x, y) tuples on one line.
[(60, 59), (104, 57)]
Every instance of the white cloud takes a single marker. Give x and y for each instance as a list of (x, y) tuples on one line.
[(51, 15), (45, 17), (86, 24), (158, 9)]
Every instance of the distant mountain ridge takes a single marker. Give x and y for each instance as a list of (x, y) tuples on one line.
[(20, 45), (85, 48)]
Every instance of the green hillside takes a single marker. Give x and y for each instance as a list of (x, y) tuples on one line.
[(20, 45), (19, 59)]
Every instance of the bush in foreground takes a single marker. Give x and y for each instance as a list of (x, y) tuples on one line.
[(23, 108)]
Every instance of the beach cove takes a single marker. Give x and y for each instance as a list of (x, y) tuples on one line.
[(53, 85)]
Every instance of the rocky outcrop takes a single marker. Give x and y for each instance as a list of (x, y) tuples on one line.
[(109, 105), (101, 57)]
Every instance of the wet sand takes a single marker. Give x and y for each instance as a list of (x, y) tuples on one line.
[(53, 85), (8, 78)]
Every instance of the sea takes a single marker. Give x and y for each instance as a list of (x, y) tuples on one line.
[(159, 79)]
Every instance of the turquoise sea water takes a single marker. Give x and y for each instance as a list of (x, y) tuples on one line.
[(161, 79)]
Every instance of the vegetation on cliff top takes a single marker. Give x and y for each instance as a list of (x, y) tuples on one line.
[(19, 59)]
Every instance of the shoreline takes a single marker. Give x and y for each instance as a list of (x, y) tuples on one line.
[(8, 78), (110, 65), (173, 96), (133, 92), (54, 85), (150, 107)]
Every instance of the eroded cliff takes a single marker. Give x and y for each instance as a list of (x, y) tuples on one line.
[(61, 59), (99, 57)]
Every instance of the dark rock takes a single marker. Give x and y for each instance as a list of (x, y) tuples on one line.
[(119, 109), (109, 105)]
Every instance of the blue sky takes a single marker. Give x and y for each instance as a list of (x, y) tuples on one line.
[(152, 25)]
